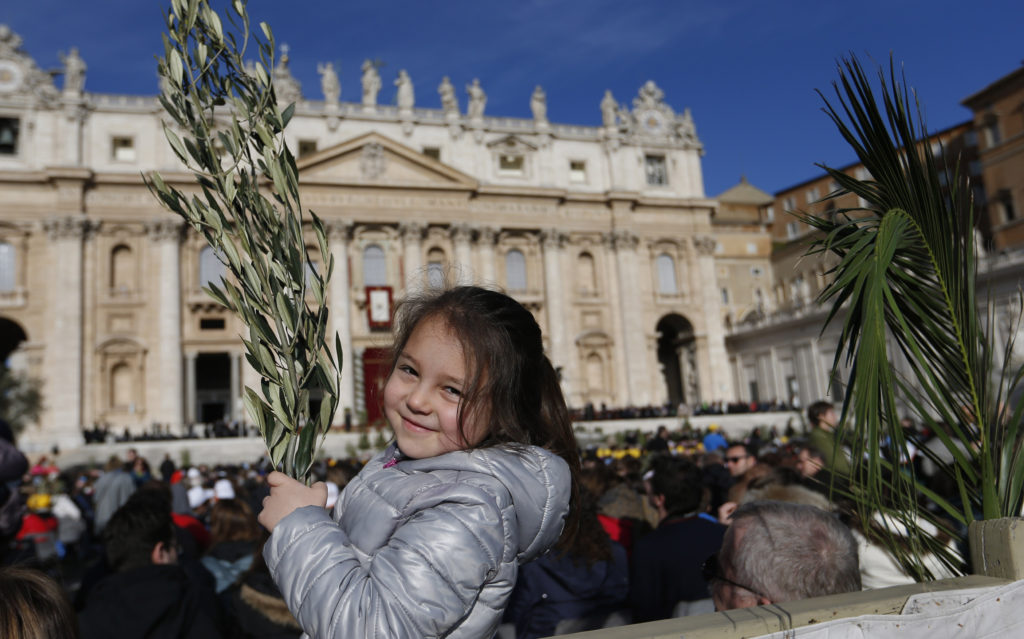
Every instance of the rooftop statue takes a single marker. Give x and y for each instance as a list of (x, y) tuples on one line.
[(371, 83)]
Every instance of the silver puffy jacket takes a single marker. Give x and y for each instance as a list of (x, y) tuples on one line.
[(423, 548)]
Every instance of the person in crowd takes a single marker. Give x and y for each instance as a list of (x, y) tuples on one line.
[(148, 594), (13, 465), (33, 606), (235, 534), (429, 536), (659, 443), (823, 419), (573, 591), (167, 467), (714, 440), (667, 562), (776, 552), (619, 508), (254, 606), (110, 492), (739, 459), (716, 479)]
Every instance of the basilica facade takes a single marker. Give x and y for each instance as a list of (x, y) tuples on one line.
[(603, 232)]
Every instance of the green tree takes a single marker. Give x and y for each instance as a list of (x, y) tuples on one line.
[(904, 287), (246, 204), (21, 400)]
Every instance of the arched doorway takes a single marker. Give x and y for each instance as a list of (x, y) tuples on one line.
[(677, 354)]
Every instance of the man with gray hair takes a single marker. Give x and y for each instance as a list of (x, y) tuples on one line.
[(776, 551)]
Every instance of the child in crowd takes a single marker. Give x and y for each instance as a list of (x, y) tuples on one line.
[(426, 541)]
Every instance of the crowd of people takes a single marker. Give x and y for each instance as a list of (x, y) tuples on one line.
[(672, 523), (589, 412)]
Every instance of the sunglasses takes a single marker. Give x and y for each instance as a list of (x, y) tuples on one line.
[(712, 571)]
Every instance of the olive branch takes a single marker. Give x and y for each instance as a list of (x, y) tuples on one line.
[(230, 136)]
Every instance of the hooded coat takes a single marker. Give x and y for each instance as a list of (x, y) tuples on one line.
[(423, 547)]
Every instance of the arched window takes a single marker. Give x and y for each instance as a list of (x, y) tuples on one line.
[(435, 268), (515, 270), (375, 267), (210, 268), (666, 274), (122, 271), (121, 395), (586, 274), (8, 267)]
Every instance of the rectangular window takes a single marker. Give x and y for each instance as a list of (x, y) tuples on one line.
[(211, 324), (1006, 204), (725, 296), (790, 203), (510, 164), (432, 152), (792, 229), (9, 128), (655, 170), (769, 214), (122, 149), (307, 147), (974, 167), (811, 195), (991, 132), (971, 138), (862, 173), (577, 171)]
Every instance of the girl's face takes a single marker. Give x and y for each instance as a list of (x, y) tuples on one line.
[(422, 396)]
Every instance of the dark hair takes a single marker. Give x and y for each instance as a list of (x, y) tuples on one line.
[(816, 410), (33, 606), (135, 529), (751, 449), (510, 382), (232, 520), (679, 481)]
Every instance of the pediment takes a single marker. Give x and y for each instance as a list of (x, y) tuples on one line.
[(375, 160)]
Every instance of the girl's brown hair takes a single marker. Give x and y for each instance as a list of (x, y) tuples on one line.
[(33, 606), (510, 383), (232, 520)]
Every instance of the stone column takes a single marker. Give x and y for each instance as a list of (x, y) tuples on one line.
[(485, 242), (64, 342), (190, 388), (636, 355), (554, 301), (718, 385), (620, 392), (462, 235), (412, 253), (166, 235), (339, 234)]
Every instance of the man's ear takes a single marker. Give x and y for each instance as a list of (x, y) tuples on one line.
[(163, 555)]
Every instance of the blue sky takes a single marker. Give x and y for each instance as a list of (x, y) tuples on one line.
[(747, 69)]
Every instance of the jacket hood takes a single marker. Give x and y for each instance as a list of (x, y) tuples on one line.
[(538, 481)]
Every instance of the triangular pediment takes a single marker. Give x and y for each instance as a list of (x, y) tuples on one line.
[(376, 160)]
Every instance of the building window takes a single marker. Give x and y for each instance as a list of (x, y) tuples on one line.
[(122, 149), (725, 296), (789, 204), (812, 195), (666, 274), (122, 270), (971, 139), (375, 268), (577, 171), (515, 270), (510, 164), (974, 167), (1005, 201), (655, 170), (8, 266), (586, 274), (769, 214), (307, 147), (211, 324), (432, 152), (756, 271), (211, 270), (435, 268), (9, 128), (121, 386), (991, 131), (792, 229)]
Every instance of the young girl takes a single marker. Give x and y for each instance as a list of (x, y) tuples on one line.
[(426, 541)]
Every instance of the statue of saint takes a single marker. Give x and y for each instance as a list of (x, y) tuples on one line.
[(371, 83), (539, 105), (477, 100), (405, 96), (74, 71), (329, 82), (608, 109), (449, 102)]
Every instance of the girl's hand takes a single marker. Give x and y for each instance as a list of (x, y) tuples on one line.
[(287, 494)]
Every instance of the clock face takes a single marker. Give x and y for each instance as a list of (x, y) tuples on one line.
[(652, 121), (10, 75)]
